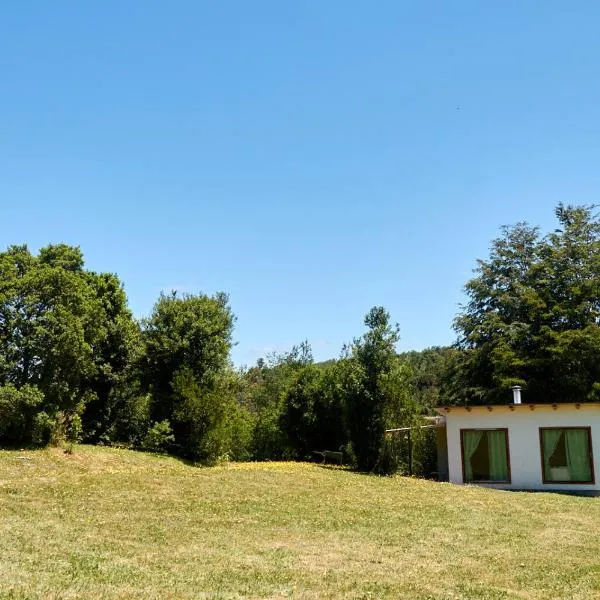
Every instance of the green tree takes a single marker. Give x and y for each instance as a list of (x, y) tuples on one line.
[(49, 327), (313, 415), (116, 357), (377, 395), (430, 370), (265, 389), (533, 313), (187, 341), (18, 411), (67, 332)]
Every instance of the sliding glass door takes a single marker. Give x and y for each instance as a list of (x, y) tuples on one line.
[(485, 456), (567, 454)]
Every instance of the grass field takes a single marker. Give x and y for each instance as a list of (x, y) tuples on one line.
[(104, 523)]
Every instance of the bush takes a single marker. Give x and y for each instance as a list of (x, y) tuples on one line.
[(424, 452), (393, 456), (43, 428), (132, 420), (159, 437), (240, 425), (419, 459), (313, 411), (18, 408)]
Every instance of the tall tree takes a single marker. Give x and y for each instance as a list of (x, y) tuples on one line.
[(533, 314), (429, 372), (313, 415), (266, 386), (377, 388), (50, 323), (115, 355), (188, 340)]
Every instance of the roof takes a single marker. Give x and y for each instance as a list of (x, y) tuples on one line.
[(443, 410)]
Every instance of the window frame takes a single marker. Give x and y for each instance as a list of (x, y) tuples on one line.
[(462, 455), (587, 428)]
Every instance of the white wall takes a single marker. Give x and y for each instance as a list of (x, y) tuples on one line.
[(523, 439)]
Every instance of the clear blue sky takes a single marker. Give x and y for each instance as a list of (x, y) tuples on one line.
[(310, 158)]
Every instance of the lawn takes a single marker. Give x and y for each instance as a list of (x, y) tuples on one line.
[(105, 523)]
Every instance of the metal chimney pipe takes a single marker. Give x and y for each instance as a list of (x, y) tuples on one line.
[(516, 394)]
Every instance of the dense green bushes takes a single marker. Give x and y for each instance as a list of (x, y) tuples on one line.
[(74, 364)]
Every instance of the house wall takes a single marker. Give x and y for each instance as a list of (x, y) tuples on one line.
[(523, 439)]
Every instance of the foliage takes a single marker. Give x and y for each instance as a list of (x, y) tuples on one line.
[(131, 416), (187, 355), (45, 429), (159, 437), (424, 453), (18, 408), (192, 332), (200, 417), (533, 315), (313, 416), (239, 427), (53, 332), (430, 370), (116, 356), (377, 393), (266, 386), (74, 364)]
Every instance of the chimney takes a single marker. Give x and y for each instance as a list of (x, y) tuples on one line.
[(516, 394)]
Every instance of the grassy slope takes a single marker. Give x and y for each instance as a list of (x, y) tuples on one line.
[(116, 524)]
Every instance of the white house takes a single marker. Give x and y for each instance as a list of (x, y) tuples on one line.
[(523, 446)]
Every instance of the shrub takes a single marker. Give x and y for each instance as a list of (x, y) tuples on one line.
[(159, 437), (240, 425), (393, 456), (132, 419), (18, 408), (43, 428), (424, 452)]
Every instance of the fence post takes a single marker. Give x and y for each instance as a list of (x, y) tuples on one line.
[(409, 454)]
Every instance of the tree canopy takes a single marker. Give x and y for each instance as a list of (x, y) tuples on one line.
[(532, 316), (62, 332)]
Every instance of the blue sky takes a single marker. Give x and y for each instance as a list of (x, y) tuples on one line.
[(310, 158)]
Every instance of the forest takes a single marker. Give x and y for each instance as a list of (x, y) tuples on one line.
[(76, 366)]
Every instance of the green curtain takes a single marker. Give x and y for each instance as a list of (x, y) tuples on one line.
[(551, 440), (497, 455), (578, 454), (471, 441)]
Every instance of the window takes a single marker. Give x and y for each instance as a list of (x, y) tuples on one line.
[(567, 454), (485, 455)]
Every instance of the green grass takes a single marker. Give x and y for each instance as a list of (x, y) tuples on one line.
[(105, 523)]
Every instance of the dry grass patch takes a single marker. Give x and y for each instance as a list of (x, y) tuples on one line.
[(108, 524)]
